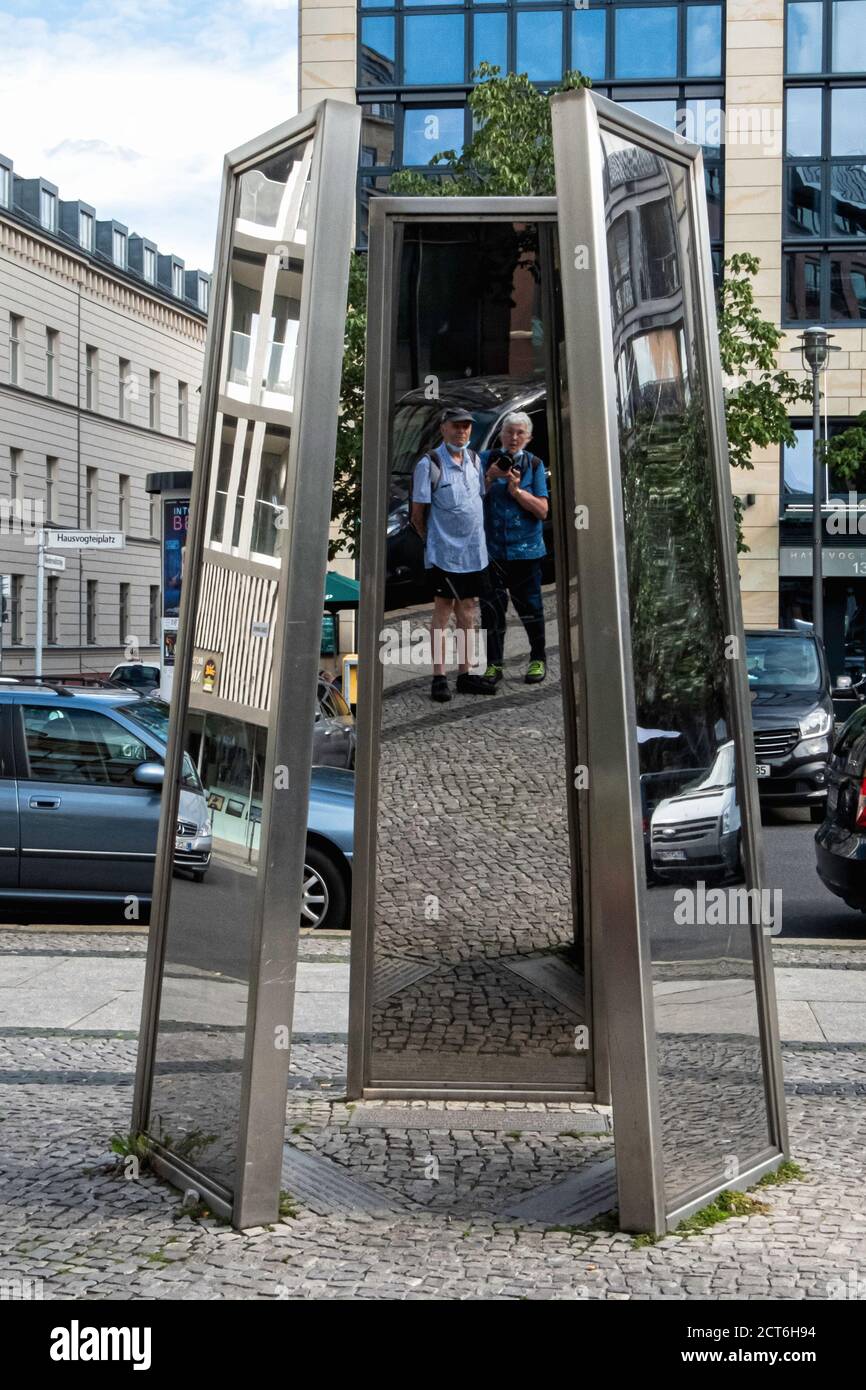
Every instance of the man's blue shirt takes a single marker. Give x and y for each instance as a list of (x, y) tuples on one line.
[(513, 533), (455, 522)]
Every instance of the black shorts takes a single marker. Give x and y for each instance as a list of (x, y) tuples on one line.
[(451, 585)]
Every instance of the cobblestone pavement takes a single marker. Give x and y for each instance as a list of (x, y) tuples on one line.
[(430, 1220)]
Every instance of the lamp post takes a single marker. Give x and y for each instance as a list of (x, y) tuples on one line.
[(815, 349)]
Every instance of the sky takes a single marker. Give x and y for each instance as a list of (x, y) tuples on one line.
[(130, 105)]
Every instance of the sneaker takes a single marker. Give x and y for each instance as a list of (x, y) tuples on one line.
[(535, 673), (474, 685), (439, 690), (494, 674)]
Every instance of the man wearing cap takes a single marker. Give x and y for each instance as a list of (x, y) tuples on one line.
[(448, 489)]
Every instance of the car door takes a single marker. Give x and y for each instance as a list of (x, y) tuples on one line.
[(9, 844), (85, 826)]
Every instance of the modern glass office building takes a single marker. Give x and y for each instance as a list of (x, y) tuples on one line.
[(774, 90)]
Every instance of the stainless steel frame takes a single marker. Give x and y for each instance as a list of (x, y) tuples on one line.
[(335, 129), (617, 879), (388, 217)]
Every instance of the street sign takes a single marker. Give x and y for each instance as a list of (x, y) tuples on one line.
[(86, 540), (55, 562)]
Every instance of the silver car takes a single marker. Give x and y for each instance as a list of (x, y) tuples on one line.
[(697, 833)]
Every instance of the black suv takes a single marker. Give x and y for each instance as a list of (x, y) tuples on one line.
[(792, 717), (840, 844)]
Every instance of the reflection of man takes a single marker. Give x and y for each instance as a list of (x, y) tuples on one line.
[(448, 513), (516, 508)]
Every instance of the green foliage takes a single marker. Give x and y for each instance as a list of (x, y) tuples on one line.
[(758, 394), (789, 1171), (846, 451), (346, 500)]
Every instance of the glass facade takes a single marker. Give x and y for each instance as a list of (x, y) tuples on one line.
[(824, 214), (418, 61)]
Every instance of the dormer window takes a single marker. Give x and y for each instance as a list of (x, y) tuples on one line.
[(48, 210), (85, 231), (177, 281), (149, 265), (118, 248), (5, 186), (203, 288)]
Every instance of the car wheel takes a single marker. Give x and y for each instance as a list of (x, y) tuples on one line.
[(324, 898), (818, 814)]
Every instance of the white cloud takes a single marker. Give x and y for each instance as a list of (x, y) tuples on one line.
[(135, 117)]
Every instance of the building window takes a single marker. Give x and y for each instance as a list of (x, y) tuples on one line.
[(16, 349), (85, 231), (154, 615), (48, 210), (91, 499), (91, 378), (118, 248), (5, 186), (182, 410), (149, 265), (203, 295), (153, 401), (177, 281), (51, 609), (16, 610), (123, 501), (123, 614), (124, 388), (51, 471), (14, 473), (91, 612), (824, 209), (52, 338)]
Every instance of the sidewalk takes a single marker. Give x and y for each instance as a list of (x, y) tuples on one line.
[(57, 983), (406, 1201)]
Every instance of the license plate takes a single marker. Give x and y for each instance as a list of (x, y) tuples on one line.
[(669, 856), (183, 844), (762, 770)]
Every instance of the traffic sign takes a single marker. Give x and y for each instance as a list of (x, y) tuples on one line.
[(86, 540), (55, 562)]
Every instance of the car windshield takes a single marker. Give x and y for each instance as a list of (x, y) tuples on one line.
[(783, 663), (416, 429), (153, 717), (721, 774)]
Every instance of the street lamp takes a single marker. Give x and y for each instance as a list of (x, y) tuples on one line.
[(815, 350)]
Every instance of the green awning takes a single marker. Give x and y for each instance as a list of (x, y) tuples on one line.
[(340, 591)]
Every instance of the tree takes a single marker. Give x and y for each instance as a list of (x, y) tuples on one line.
[(846, 451), (346, 499)]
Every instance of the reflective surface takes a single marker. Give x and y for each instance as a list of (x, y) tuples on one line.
[(478, 980), (195, 1105), (711, 1087)]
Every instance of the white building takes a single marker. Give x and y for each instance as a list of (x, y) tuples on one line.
[(101, 351)]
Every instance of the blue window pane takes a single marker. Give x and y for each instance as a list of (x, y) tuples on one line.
[(490, 41), (539, 45), (428, 2), (433, 49), (703, 123), (662, 112), (848, 199), (847, 127), (587, 42), (804, 121), (703, 40), (429, 130), (646, 42), (377, 52), (804, 37), (798, 462), (849, 36)]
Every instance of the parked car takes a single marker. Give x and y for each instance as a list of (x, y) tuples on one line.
[(80, 801), (792, 717), (696, 834), (840, 843), (136, 675), (416, 430), (334, 732)]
